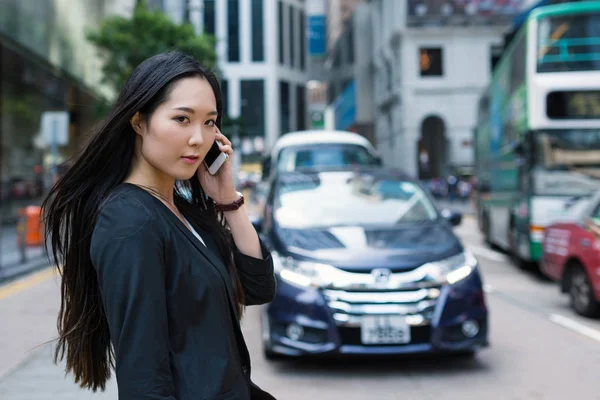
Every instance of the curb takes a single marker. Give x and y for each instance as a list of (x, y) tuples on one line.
[(10, 274)]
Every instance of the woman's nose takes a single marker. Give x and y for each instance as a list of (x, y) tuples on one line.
[(196, 139)]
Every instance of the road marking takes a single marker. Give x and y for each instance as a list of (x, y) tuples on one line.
[(489, 254), (25, 283), (575, 326), (487, 288)]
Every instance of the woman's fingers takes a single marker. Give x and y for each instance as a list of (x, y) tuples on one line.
[(226, 149), (223, 139)]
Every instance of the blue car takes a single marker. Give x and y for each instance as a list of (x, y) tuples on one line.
[(366, 264)]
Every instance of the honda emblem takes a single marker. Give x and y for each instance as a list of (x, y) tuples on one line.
[(381, 276)]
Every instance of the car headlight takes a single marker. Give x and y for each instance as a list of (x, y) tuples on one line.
[(305, 273), (452, 269), (313, 274)]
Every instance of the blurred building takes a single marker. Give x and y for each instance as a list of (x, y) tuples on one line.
[(350, 91), (46, 65), (338, 14), (316, 104), (431, 61), (261, 47)]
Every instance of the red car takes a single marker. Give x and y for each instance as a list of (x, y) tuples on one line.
[(571, 255)]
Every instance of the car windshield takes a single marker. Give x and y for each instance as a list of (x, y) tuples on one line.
[(323, 155), (346, 199)]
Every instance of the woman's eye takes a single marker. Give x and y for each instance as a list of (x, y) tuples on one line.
[(181, 119), (211, 122)]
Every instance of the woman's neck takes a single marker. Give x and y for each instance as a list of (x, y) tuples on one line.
[(149, 178)]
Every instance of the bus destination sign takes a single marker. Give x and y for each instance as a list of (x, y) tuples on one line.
[(582, 104)]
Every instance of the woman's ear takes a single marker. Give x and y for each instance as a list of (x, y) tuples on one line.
[(136, 123)]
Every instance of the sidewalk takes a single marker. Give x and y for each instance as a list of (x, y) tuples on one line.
[(39, 378), (28, 311)]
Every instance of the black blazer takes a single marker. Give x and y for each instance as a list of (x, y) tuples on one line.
[(169, 303)]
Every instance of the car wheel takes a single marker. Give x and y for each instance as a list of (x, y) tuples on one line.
[(582, 294)]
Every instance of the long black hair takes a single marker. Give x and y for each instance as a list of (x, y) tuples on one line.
[(73, 204)]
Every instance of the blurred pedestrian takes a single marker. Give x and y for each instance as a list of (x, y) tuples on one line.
[(463, 189), (452, 182), (158, 256)]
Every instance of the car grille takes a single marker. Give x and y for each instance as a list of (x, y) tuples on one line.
[(348, 308)]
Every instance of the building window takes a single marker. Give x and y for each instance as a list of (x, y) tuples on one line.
[(225, 98), (284, 106), (351, 45), (292, 43), (186, 14), (258, 52), (331, 92), (280, 32), (155, 4), (300, 107), (337, 56), (495, 54), (303, 40), (209, 17), (252, 111), (233, 31), (431, 61)]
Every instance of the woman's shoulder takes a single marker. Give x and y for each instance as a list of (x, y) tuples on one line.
[(125, 212), (125, 223)]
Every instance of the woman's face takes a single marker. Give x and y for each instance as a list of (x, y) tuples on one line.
[(181, 130)]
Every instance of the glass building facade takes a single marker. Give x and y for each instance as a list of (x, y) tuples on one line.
[(46, 65)]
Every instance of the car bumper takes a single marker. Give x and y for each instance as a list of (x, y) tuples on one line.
[(435, 328)]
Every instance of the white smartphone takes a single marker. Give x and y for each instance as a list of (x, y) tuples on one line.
[(215, 158)]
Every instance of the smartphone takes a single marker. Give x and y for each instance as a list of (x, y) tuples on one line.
[(215, 158)]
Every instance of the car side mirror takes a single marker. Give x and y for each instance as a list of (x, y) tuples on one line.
[(455, 218)]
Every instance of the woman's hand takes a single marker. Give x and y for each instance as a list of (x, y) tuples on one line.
[(221, 186)]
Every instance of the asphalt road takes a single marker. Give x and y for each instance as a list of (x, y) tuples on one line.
[(540, 349)]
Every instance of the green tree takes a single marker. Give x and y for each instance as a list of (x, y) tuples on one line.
[(229, 124), (126, 42)]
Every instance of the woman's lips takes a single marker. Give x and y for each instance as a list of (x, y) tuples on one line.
[(190, 159)]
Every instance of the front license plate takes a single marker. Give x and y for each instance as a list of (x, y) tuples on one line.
[(384, 329)]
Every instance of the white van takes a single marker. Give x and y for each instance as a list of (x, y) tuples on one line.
[(318, 148)]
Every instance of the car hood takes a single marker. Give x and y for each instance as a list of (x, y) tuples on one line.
[(358, 248)]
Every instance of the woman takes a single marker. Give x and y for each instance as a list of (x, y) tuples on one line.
[(150, 260)]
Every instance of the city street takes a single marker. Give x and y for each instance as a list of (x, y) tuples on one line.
[(10, 252), (539, 349)]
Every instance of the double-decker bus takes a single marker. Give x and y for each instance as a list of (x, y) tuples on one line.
[(537, 139)]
